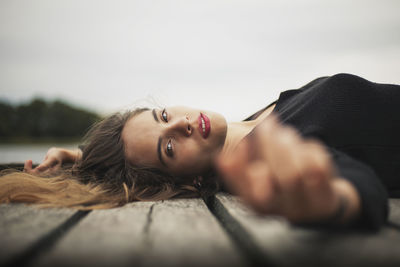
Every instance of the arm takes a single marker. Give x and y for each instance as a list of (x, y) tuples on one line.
[(373, 197), (276, 171), (71, 156)]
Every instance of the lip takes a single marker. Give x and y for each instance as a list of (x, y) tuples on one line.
[(207, 125)]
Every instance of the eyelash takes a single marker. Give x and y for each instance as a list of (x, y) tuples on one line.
[(166, 115), (170, 152)]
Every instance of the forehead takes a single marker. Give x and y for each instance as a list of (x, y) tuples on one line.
[(140, 136)]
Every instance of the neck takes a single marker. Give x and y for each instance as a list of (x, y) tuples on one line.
[(236, 131)]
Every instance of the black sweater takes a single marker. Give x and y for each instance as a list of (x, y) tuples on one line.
[(359, 122)]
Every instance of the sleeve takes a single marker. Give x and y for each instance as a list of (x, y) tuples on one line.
[(373, 195)]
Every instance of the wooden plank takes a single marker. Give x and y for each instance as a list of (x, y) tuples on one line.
[(185, 233), (110, 237), (169, 233), (287, 245), (21, 226)]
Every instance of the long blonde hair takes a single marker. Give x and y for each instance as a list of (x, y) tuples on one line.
[(103, 178)]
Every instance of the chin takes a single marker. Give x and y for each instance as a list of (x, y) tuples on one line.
[(218, 131)]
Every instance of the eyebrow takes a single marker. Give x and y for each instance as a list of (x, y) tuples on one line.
[(155, 115), (159, 140)]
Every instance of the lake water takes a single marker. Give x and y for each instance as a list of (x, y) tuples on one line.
[(18, 153)]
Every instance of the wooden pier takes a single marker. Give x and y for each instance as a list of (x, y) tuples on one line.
[(184, 232), (219, 231)]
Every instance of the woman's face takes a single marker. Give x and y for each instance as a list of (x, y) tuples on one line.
[(178, 140)]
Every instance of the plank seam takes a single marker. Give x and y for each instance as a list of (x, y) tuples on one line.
[(239, 235), (149, 220), (147, 242), (46, 242)]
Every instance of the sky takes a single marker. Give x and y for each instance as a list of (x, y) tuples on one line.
[(229, 56)]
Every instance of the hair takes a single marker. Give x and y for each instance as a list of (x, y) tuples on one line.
[(103, 177)]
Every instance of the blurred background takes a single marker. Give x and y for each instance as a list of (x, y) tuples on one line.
[(65, 64)]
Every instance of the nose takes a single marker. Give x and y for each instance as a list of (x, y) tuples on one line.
[(181, 125)]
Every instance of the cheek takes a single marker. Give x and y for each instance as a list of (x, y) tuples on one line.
[(192, 157), (189, 156)]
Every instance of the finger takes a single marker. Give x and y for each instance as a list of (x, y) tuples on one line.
[(271, 136), (28, 166), (232, 168), (314, 183), (49, 163), (259, 139), (234, 181), (41, 168), (318, 164), (261, 189), (235, 161), (278, 145), (284, 156)]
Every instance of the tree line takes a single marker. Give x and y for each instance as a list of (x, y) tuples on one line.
[(39, 119)]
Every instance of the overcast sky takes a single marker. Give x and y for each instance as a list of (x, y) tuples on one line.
[(223, 55)]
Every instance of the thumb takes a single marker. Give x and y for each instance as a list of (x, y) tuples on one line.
[(28, 165)]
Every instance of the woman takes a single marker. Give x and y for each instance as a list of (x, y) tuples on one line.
[(321, 154)]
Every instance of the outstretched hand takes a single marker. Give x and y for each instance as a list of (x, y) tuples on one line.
[(276, 171), (52, 162)]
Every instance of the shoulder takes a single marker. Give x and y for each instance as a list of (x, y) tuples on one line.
[(345, 78), (338, 79), (338, 84)]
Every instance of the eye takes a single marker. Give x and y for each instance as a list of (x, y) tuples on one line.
[(164, 115), (170, 152)]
